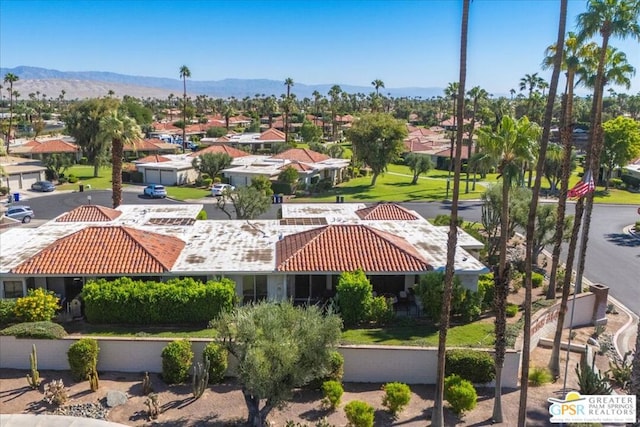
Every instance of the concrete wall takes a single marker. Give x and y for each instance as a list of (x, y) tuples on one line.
[(412, 365)]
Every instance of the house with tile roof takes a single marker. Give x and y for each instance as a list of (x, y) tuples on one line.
[(299, 256), (37, 148)]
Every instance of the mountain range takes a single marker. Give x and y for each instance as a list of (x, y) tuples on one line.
[(92, 84)]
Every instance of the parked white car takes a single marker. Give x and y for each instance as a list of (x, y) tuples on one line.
[(218, 189)]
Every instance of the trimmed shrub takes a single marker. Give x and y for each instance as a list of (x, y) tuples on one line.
[(39, 330), (511, 310), (539, 376), (218, 362), (7, 314), (359, 414), (332, 392), (202, 215), (73, 179), (176, 361), (471, 365), (124, 300), (615, 182), (486, 286), (354, 295), (536, 280), (336, 366), (39, 305), (83, 358), (460, 394), (381, 310), (396, 397)]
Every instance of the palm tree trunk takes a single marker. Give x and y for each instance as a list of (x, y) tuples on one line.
[(117, 152), (531, 220), (437, 417)]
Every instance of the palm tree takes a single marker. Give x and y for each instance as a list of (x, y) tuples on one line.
[(184, 73), (287, 106), (531, 220), (121, 130), (609, 18), (377, 84), (437, 418), (511, 144), (10, 78), (476, 94), (334, 99)]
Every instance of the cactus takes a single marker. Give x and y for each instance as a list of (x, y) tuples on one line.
[(34, 378), (55, 393), (200, 378), (152, 405), (94, 381), (147, 388)]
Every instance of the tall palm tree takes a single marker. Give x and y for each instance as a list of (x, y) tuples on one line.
[(437, 418), (529, 83), (334, 100), (10, 78), (531, 220), (511, 144), (287, 106), (377, 84), (184, 74), (121, 130), (476, 94), (609, 18)]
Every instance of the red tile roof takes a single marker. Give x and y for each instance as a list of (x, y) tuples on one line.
[(55, 146), (220, 148), (90, 213), (272, 135), (300, 167), (386, 212), (153, 144), (346, 248), (154, 158), (301, 155), (106, 251)]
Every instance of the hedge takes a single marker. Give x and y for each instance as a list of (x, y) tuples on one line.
[(144, 303), (39, 330), (472, 365)]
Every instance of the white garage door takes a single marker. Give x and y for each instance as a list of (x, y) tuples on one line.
[(152, 176), (14, 182), (167, 177), (28, 179)]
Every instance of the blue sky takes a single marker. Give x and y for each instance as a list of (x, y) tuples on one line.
[(403, 43)]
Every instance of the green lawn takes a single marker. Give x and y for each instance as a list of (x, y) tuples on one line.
[(85, 175)]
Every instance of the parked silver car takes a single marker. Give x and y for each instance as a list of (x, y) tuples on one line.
[(20, 213)]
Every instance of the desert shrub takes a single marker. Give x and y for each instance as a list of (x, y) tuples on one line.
[(7, 314), (359, 414), (218, 363), (637, 226), (332, 392), (176, 361), (73, 179), (186, 300), (511, 310), (460, 394), (202, 215), (39, 330), (396, 397), (539, 376), (465, 305), (55, 393), (38, 306), (472, 365), (536, 280), (381, 310), (83, 358), (444, 219), (590, 381), (620, 370), (3, 190), (354, 295)]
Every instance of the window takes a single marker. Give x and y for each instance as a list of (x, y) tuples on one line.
[(254, 288), (13, 289)]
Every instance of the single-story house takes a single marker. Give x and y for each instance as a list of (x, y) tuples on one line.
[(20, 173), (36, 149), (298, 257)]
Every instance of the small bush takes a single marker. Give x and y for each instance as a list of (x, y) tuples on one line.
[(536, 280), (511, 310), (354, 295), (83, 358), (539, 376), (7, 314), (62, 179), (615, 182), (202, 215), (38, 330), (55, 393), (460, 394), (38, 306), (472, 365), (73, 179), (206, 182), (332, 392), (218, 362), (486, 286), (176, 361), (336, 366), (381, 310), (359, 414), (637, 227), (396, 397)]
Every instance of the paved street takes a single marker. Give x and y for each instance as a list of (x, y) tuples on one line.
[(613, 257)]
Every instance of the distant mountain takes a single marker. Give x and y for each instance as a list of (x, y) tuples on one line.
[(89, 84)]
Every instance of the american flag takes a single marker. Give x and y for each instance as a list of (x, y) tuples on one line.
[(583, 187)]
